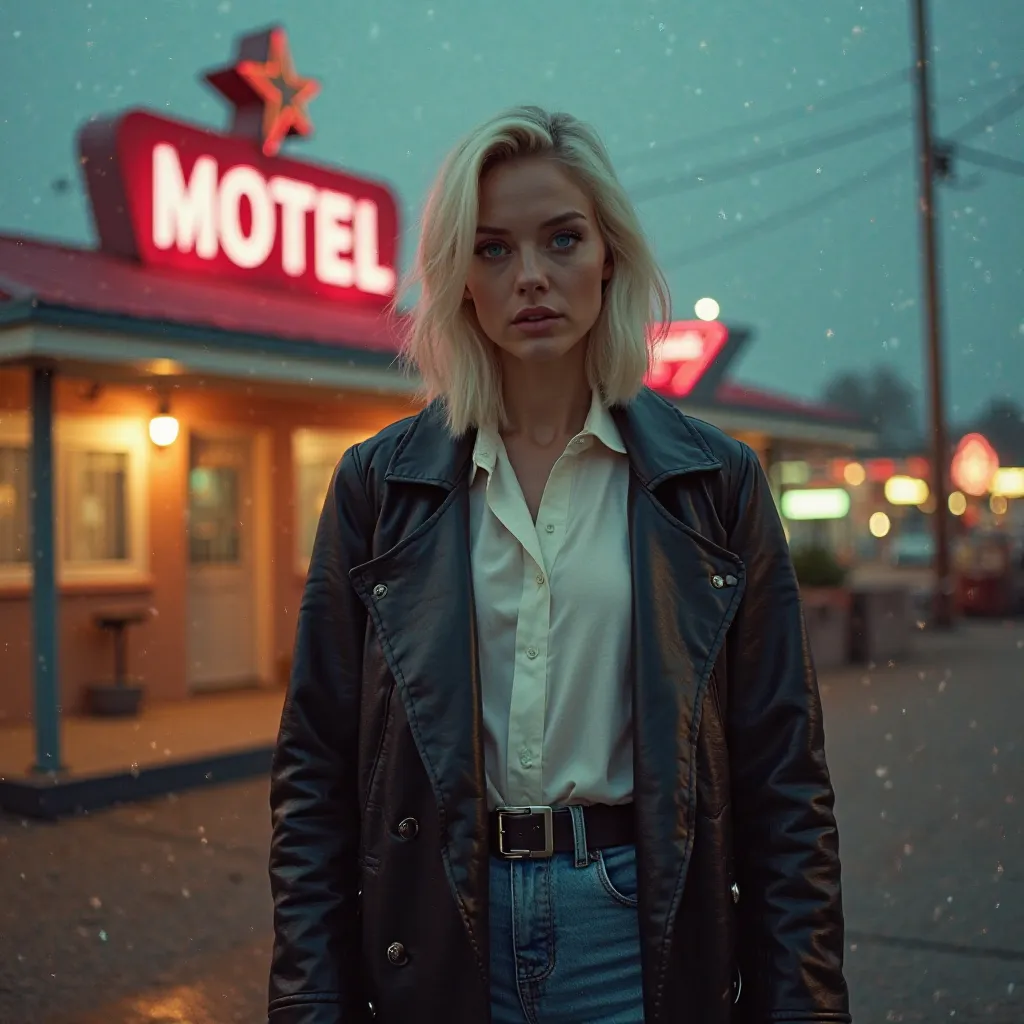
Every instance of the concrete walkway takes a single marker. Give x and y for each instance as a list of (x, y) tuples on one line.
[(160, 912), (196, 728)]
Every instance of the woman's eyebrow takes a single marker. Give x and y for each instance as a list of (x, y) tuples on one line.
[(561, 218)]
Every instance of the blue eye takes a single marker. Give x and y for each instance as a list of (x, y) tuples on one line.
[(565, 239), (491, 250)]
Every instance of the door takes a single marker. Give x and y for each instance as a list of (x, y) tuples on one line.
[(222, 634)]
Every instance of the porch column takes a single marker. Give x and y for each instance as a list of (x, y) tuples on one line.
[(45, 631)]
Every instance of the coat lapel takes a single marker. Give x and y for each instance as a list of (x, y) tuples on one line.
[(426, 624), (686, 590)]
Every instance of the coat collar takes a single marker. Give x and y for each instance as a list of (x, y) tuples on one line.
[(660, 442)]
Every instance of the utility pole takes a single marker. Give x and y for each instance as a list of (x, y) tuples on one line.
[(943, 610)]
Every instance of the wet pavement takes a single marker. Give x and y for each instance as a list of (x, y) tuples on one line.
[(159, 913)]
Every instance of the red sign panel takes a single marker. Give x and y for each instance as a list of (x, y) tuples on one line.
[(685, 355), (974, 465), (175, 196)]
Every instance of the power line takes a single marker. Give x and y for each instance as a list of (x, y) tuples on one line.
[(791, 152), (783, 218), (996, 161), (992, 115), (786, 152), (788, 115)]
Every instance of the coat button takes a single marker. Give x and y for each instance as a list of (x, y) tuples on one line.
[(397, 954), (408, 828), (380, 591), (735, 890), (717, 582)]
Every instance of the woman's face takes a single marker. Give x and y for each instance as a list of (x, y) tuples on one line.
[(539, 261)]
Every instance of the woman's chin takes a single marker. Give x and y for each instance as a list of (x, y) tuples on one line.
[(542, 349)]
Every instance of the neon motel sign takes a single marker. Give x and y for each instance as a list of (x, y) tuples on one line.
[(250, 218), (681, 358), (179, 197)]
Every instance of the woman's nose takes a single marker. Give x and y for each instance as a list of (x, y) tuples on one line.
[(531, 271)]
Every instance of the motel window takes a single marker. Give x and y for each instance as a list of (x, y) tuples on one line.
[(101, 498), (14, 501), (315, 454), (96, 497)]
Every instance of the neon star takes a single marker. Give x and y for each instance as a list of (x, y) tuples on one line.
[(268, 95)]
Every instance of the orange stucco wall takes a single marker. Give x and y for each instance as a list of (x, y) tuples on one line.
[(157, 649)]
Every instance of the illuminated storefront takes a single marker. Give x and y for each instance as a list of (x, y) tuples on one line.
[(189, 385)]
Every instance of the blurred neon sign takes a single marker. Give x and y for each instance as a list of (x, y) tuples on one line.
[(975, 463), (815, 504), (685, 354)]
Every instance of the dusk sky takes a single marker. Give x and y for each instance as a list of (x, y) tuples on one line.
[(828, 283)]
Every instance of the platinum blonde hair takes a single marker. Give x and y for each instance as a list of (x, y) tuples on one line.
[(444, 342)]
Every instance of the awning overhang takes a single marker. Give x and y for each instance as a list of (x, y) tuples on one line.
[(115, 349)]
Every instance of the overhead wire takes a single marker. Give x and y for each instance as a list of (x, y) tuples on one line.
[(791, 152), (788, 115), (988, 117), (999, 111), (784, 217), (786, 152), (996, 161)]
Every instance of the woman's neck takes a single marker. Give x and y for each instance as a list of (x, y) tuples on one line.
[(546, 402)]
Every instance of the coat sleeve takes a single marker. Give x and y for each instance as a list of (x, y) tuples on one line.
[(315, 970), (785, 839)]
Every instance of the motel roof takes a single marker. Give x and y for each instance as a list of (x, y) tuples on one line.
[(66, 303)]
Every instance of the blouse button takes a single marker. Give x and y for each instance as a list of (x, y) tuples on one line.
[(531, 653), (550, 528)]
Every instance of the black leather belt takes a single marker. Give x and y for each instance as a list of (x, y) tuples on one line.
[(528, 833)]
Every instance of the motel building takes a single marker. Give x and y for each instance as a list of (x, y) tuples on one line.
[(173, 402)]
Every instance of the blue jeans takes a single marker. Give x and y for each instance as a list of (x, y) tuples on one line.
[(565, 938)]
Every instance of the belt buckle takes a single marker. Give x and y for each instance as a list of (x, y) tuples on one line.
[(549, 833)]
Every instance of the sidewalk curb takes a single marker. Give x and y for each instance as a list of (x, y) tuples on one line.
[(49, 798)]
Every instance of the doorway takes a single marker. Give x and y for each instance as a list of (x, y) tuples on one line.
[(225, 582)]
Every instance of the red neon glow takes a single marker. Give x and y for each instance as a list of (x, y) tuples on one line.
[(175, 196), (680, 360), (879, 470), (270, 83), (974, 465), (918, 467)]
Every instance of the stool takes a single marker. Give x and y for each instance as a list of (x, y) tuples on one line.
[(121, 698)]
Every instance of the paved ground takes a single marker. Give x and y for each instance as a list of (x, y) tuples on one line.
[(159, 914)]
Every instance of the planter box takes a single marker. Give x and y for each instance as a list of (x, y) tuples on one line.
[(827, 616), (881, 623)]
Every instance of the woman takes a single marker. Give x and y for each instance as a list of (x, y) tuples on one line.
[(552, 749)]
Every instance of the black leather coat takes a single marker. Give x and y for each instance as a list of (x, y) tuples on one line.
[(378, 793)]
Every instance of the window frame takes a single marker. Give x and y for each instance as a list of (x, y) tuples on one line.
[(125, 434), (15, 432), (307, 444), (107, 434)]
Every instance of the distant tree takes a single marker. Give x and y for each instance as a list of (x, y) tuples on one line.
[(883, 399)]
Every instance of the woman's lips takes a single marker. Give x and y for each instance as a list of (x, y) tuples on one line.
[(539, 326)]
